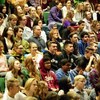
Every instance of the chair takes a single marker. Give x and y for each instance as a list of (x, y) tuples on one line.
[(45, 15)]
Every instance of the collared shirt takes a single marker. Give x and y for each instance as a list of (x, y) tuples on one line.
[(83, 94)]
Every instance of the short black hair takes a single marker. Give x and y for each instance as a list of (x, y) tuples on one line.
[(83, 33), (67, 42), (80, 22), (17, 28), (64, 61)]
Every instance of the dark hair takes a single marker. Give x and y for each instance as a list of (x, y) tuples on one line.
[(46, 58), (64, 84), (83, 33), (63, 62), (71, 34), (1, 8), (64, 97), (67, 42), (97, 88), (5, 34), (52, 96), (80, 22), (17, 28)]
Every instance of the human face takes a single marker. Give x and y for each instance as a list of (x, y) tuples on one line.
[(68, 4), (19, 50), (17, 65), (39, 9), (4, 9), (59, 6), (69, 48), (53, 48), (95, 47), (10, 31), (47, 64), (24, 20), (33, 87), (33, 48), (82, 25), (16, 88), (13, 22), (88, 15), (74, 38), (66, 67), (89, 54), (19, 10), (55, 35), (26, 8), (98, 26), (37, 31), (80, 84), (19, 33), (85, 38)]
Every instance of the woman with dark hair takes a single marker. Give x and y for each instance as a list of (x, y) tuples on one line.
[(3, 10), (8, 40)]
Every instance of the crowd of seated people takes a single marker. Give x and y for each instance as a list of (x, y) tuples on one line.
[(50, 49)]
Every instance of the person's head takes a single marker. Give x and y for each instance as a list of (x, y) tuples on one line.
[(73, 37), (92, 37), (54, 34), (94, 46), (32, 11), (22, 20), (88, 15), (52, 47), (95, 25), (43, 89), (37, 31), (73, 95), (25, 8), (59, 5), (12, 19), (8, 32), (84, 36), (79, 82), (19, 10), (98, 7), (80, 7), (18, 48), (1, 18), (3, 9), (65, 65), (68, 4), (52, 96), (81, 24), (39, 10), (15, 65), (97, 89), (1, 47), (70, 14), (31, 86), (68, 47), (18, 31), (30, 64), (65, 84), (88, 52), (33, 48), (97, 66), (13, 86), (47, 62)]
